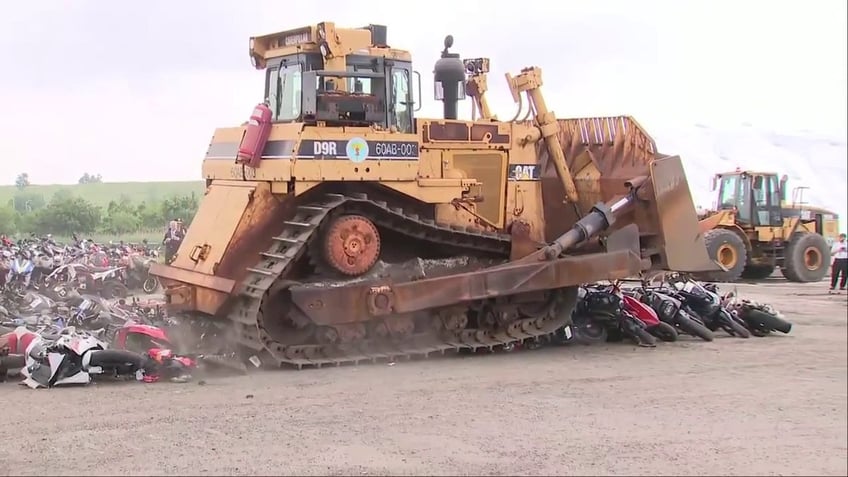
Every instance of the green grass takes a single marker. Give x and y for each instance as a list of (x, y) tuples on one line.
[(102, 194), (154, 237)]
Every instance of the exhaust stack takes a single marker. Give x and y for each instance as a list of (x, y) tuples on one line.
[(449, 80)]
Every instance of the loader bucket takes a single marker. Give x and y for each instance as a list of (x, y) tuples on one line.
[(684, 248)]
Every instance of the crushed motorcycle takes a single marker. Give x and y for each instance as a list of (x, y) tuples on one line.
[(707, 305), (760, 318), (74, 357), (670, 310), (601, 315)]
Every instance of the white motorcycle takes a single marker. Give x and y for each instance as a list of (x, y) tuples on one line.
[(73, 357), (20, 273)]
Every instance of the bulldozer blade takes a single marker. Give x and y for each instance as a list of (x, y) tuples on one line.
[(625, 238), (684, 250)]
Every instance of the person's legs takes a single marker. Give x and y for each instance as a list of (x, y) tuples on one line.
[(834, 273), (844, 269)]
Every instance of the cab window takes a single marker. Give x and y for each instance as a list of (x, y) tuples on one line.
[(729, 195), (401, 103), (774, 191), (284, 92)]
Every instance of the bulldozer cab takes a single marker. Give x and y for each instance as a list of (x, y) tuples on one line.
[(754, 196), (333, 77)]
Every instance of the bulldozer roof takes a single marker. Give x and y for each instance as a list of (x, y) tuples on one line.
[(369, 40)]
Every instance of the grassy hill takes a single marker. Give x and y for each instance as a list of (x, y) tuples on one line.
[(101, 194)]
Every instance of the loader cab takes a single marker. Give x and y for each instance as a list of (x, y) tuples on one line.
[(756, 197), (372, 91)]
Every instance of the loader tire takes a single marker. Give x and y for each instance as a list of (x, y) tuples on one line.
[(757, 272), (807, 258), (727, 248)]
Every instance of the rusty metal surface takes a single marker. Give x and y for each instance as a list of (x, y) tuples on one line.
[(684, 249), (357, 303), (351, 245), (258, 219), (304, 324), (602, 155)]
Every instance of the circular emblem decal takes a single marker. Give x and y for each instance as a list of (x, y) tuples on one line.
[(357, 149)]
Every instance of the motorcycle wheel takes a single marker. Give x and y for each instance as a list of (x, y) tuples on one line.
[(664, 331), (588, 332), (642, 337), (150, 285), (758, 319), (114, 289), (734, 328), (117, 358), (692, 327)]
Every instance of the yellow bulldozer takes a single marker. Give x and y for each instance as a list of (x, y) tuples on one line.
[(754, 230), (356, 230)]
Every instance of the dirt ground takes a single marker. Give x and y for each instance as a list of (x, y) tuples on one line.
[(763, 406)]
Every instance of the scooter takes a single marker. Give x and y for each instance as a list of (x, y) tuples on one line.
[(74, 357)]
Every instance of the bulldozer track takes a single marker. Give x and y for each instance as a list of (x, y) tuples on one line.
[(271, 274)]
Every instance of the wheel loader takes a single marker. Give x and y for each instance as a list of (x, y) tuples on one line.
[(754, 230), (337, 226)]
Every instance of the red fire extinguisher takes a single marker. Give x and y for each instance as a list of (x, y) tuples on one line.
[(255, 136)]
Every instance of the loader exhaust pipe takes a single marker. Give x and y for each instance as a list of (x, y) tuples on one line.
[(600, 218)]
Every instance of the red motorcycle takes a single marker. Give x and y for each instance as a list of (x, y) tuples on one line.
[(601, 315), (649, 317), (153, 343), (646, 315)]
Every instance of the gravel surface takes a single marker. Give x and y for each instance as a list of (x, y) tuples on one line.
[(763, 406)]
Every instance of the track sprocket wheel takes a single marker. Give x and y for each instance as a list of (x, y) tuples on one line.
[(351, 245)]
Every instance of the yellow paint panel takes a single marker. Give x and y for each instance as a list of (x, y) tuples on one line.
[(488, 167), (214, 224)]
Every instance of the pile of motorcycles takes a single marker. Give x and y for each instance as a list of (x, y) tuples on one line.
[(51, 341), (64, 315), (109, 270), (662, 311)]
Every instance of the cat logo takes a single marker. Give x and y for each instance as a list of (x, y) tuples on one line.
[(524, 172)]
